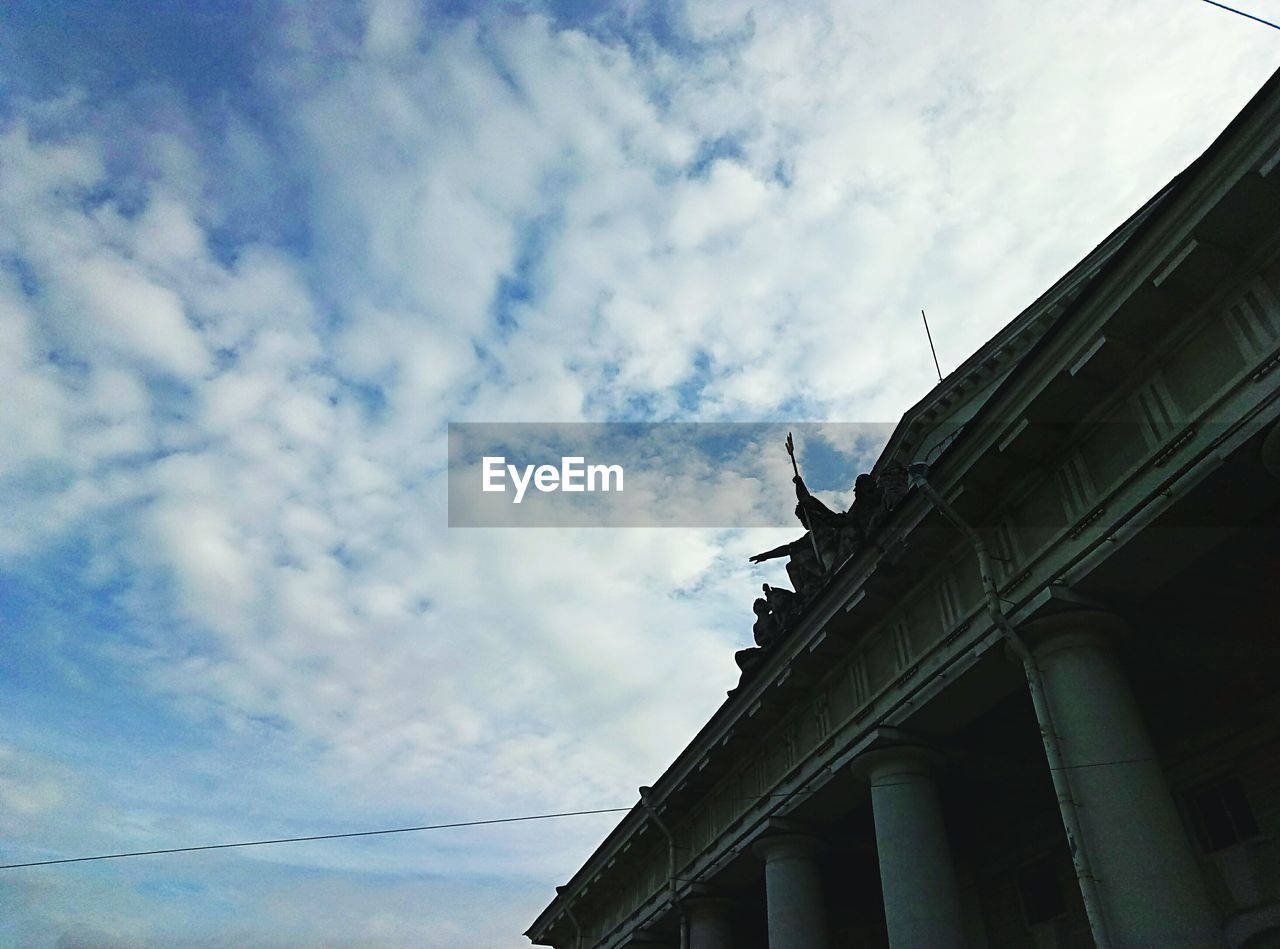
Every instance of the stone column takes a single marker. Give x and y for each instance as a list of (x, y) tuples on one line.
[(1149, 883), (793, 887), (710, 922), (921, 896)]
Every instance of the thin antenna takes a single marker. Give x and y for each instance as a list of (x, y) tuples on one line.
[(931, 349), (1248, 16)]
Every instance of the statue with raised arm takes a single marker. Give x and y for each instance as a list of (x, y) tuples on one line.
[(810, 556), (809, 509), (830, 539), (802, 568), (807, 506)]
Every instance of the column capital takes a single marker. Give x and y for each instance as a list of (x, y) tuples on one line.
[(1073, 628), (787, 845), (913, 758)]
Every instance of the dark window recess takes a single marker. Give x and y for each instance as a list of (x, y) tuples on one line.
[(1223, 815), (1040, 892)]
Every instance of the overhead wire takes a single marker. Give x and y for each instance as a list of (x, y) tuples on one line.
[(426, 827), (1249, 16), (294, 840)]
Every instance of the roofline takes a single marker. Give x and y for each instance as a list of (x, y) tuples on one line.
[(1143, 222), (1103, 257), (1042, 308)]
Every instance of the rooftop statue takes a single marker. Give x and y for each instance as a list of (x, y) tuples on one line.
[(803, 567), (831, 538), (825, 544), (783, 603), (773, 613)]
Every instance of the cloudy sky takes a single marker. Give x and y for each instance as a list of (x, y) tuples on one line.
[(254, 258)]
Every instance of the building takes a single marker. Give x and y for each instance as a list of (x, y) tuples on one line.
[(1042, 707)]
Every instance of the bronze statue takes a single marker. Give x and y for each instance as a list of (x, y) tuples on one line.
[(773, 614), (747, 660), (827, 536), (765, 629), (830, 539), (782, 602), (803, 566)]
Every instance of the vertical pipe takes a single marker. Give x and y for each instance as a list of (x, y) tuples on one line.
[(919, 474), (563, 893), (671, 866)]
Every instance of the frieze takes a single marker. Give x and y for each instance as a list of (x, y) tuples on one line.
[(1052, 504)]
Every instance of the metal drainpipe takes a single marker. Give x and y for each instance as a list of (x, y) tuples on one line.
[(563, 892), (919, 476), (671, 865)]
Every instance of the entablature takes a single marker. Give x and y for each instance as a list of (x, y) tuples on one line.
[(1089, 427)]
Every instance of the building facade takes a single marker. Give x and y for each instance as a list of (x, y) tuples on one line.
[(1040, 706)]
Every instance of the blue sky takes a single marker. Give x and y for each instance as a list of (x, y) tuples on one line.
[(253, 260)]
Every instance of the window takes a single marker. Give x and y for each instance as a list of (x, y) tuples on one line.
[(1222, 815), (1040, 892)]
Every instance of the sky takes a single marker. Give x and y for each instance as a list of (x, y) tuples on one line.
[(255, 258)]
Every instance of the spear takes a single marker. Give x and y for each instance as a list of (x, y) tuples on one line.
[(804, 515)]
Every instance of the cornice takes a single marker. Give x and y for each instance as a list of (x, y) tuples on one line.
[(1149, 240)]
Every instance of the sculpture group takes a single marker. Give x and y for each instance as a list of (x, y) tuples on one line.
[(830, 540)]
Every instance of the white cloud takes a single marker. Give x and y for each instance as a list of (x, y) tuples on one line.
[(125, 311), (504, 223)]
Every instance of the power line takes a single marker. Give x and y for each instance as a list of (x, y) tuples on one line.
[(361, 833), (467, 823), (1214, 3), (292, 840)]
